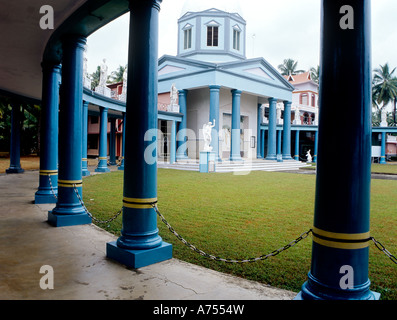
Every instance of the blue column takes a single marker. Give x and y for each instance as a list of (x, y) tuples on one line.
[(140, 244), (173, 142), (15, 143), (214, 115), (297, 153), (259, 145), (272, 137), (103, 142), (235, 136), (181, 136), (315, 147), (69, 210), (383, 149), (49, 134), (279, 155), (85, 137), (287, 131), (112, 142), (123, 146), (341, 231)]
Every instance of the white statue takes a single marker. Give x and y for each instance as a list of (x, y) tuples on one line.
[(104, 74), (124, 90), (308, 156), (173, 95), (207, 128)]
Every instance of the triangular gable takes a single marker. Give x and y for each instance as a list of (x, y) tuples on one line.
[(170, 69), (258, 72)]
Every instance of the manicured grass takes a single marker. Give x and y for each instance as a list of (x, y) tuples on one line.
[(247, 216)]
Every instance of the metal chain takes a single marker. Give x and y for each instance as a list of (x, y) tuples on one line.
[(382, 248), (213, 257), (52, 189), (90, 215)]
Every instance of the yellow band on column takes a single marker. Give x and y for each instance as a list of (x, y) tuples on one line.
[(139, 203), (48, 172), (70, 183), (341, 240)]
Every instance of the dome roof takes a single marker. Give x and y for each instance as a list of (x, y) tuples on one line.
[(231, 6)]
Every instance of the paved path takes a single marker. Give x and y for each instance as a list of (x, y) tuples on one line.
[(81, 270)]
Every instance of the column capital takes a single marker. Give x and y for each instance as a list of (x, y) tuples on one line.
[(286, 102), (272, 100), (214, 87), (236, 92), (183, 92), (74, 39), (139, 4)]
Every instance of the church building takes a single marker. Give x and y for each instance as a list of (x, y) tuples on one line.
[(217, 84)]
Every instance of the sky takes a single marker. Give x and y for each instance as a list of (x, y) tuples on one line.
[(276, 30)]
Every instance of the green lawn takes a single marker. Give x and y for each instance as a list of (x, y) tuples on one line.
[(247, 216)]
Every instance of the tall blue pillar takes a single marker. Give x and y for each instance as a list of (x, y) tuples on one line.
[(140, 244), (383, 149), (48, 179), (315, 147), (68, 210), (279, 155), (287, 131), (181, 136), (214, 115), (84, 141), (121, 167), (15, 143), (341, 231), (103, 142), (259, 145), (112, 142), (272, 137), (173, 142), (235, 154), (297, 151)]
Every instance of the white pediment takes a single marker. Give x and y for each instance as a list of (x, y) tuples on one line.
[(258, 72), (169, 69)]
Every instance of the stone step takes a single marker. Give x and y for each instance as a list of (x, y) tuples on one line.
[(226, 166)]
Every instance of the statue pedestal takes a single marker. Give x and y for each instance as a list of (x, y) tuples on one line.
[(207, 161), (173, 108), (104, 91)]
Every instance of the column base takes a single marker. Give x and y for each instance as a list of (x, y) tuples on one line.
[(15, 170), (287, 157), (236, 158), (314, 290), (138, 258), (85, 173), (181, 157), (42, 197), (271, 157), (102, 169), (382, 160), (121, 167), (67, 220)]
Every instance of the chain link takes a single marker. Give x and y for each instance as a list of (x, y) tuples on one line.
[(382, 248), (90, 215), (213, 257)]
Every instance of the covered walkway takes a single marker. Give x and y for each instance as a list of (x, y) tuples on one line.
[(77, 255)]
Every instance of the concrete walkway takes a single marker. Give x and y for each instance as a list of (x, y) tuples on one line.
[(78, 258)]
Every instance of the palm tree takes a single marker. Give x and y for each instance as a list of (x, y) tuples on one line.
[(385, 87), (95, 77), (315, 73), (289, 67), (117, 76)]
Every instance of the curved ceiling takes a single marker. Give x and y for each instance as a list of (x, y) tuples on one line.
[(23, 44)]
